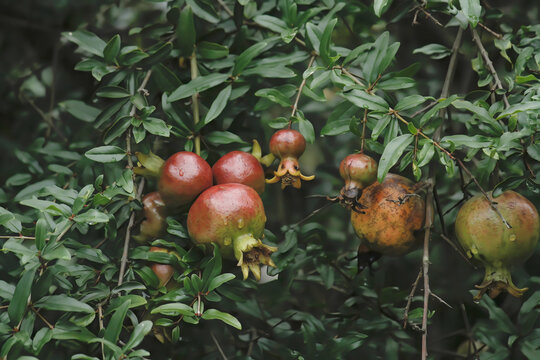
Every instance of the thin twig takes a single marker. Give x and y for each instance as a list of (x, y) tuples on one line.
[(351, 76), (425, 108), (17, 237), (313, 213), (409, 299), (440, 300), (425, 264), (489, 64), (363, 139), (496, 34), (468, 329), (225, 7), (428, 15), (46, 117), (100, 321), (455, 247), (42, 318), (302, 84), (64, 232), (218, 346)]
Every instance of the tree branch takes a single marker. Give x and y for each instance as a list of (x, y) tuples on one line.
[(195, 101), (302, 84)]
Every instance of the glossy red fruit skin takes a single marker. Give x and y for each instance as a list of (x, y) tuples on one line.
[(164, 272), (232, 216), (358, 171), (241, 168), (155, 213), (183, 176), (287, 142)]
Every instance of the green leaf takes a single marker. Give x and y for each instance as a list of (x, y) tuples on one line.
[(480, 112), (324, 47), (391, 154), (87, 41), (91, 217), (219, 280), (56, 251), (185, 32), (6, 290), (106, 154), (473, 142), (434, 51), (197, 85), (63, 303), (472, 10), (223, 137), (228, 319), (442, 103), (8, 220), (534, 151), (306, 129), (375, 56), (380, 6), (410, 102), (364, 100), (271, 23), (204, 10), (173, 309), (218, 105), (211, 51), (156, 126), (112, 332), (18, 179), (521, 107), (500, 318), (112, 49), (244, 59), (41, 233), (509, 183), (274, 95), (17, 306), (138, 334), (113, 92), (80, 110)]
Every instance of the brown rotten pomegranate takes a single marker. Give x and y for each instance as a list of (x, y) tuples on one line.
[(485, 238), (358, 171), (154, 224), (393, 215), (288, 145), (232, 216), (163, 272), (239, 167)]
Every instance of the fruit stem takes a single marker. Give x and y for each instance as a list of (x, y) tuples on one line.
[(302, 84), (363, 138), (195, 101)]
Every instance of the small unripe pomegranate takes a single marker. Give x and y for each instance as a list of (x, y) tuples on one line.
[(232, 216), (393, 215), (164, 272), (358, 171), (288, 145), (486, 239), (241, 168), (154, 224), (183, 176)]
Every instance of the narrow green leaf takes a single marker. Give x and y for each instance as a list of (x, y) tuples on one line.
[(219, 280), (80, 110), (173, 309), (112, 332), (185, 32), (156, 126), (197, 85), (228, 319), (106, 154), (409, 102), (112, 92), (380, 6), (87, 41), (324, 47), (275, 96), (111, 50), (17, 306), (91, 217), (218, 105), (472, 10), (41, 233), (223, 137), (244, 59), (364, 100), (63, 303), (391, 154), (138, 334), (211, 51)]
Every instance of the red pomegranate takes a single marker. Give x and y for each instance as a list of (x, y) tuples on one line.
[(241, 168), (486, 239), (183, 176), (232, 216), (154, 224), (288, 145), (164, 272)]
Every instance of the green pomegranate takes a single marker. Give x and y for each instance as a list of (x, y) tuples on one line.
[(486, 239), (232, 216)]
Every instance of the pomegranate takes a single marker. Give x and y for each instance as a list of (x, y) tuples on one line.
[(393, 215), (485, 238), (183, 176), (154, 224), (358, 171), (239, 167), (288, 145), (232, 216), (164, 272)]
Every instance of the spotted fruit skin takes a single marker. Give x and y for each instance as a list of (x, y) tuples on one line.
[(392, 217), (163, 272), (486, 239), (288, 145), (183, 176), (241, 168), (232, 216), (155, 213)]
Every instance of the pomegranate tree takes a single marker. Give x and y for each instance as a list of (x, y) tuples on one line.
[(288, 145), (358, 171), (239, 167), (232, 216), (392, 217), (486, 239)]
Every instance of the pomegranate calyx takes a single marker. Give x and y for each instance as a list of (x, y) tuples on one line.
[(149, 164), (497, 280), (289, 174), (250, 253), (256, 151)]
